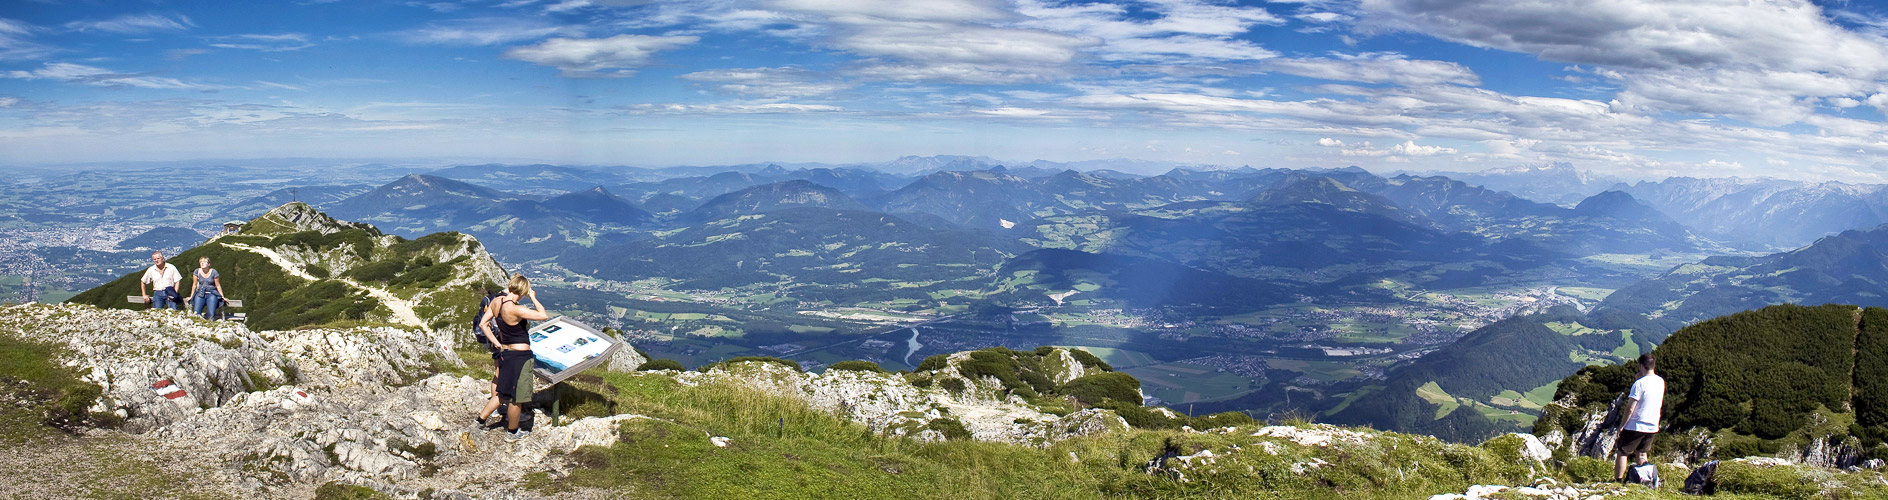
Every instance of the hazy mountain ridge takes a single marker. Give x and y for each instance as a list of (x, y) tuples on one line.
[(772, 197), (1556, 183), (1765, 212), (1850, 268)]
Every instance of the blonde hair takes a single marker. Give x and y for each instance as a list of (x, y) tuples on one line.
[(520, 285)]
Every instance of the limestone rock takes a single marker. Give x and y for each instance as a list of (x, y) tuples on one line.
[(888, 404), (626, 359), (1319, 435)]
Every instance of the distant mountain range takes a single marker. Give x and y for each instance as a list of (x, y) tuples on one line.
[(1765, 213), (1556, 183), (1848, 268)]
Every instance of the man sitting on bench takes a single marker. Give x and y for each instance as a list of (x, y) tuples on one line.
[(163, 279)]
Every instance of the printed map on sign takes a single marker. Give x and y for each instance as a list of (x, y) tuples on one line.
[(565, 346)]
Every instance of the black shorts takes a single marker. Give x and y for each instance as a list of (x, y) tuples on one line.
[(1634, 442), (514, 375)]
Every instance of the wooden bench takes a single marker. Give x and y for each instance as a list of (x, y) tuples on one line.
[(232, 304)]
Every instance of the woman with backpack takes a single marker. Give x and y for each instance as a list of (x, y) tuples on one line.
[(510, 330), (206, 289)]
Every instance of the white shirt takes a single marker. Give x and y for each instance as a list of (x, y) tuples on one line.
[(1649, 391), (160, 280)]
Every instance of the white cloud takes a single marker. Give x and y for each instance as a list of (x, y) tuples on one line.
[(567, 6), (598, 57), (1768, 62), (1652, 34), (100, 77), (485, 31), (282, 42), (1410, 148), (1509, 148), (1330, 143), (1378, 69), (181, 54), (1322, 17), (767, 82), (923, 11), (282, 86), (16, 42), (731, 108), (134, 24), (1162, 30), (1405, 149)]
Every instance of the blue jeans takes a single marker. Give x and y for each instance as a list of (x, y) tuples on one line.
[(167, 298), (205, 304)]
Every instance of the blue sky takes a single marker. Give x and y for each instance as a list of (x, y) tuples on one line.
[(1637, 88)]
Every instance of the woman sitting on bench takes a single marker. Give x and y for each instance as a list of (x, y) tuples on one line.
[(206, 289)]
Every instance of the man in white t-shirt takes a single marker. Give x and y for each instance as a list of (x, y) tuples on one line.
[(163, 279), (1640, 424)]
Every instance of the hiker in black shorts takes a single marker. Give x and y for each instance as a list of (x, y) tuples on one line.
[(510, 332), (1640, 422)]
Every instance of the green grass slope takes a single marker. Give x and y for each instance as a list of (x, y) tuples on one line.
[(333, 262)]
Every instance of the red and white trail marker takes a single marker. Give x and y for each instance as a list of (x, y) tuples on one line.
[(168, 390)]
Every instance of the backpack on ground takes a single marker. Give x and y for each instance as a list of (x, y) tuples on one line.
[(1703, 481), (1646, 474), (479, 319)]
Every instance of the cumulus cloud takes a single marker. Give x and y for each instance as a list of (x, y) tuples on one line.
[(1410, 148), (485, 31), (100, 77), (1330, 143), (1660, 34), (134, 24), (1766, 62), (611, 57)]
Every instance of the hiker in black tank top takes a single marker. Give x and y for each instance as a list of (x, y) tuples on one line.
[(509, 331), (518, 335)]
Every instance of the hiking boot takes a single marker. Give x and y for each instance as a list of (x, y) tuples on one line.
[(515, 436)]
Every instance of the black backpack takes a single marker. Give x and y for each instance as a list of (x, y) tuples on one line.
[(479, 318), (1703, 481)]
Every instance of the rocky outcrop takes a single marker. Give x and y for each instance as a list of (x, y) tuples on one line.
[(888, 404), (626, 359), (1542, 489), (418, 435), (1826, 451), (282, 408), (285, 409), (159, 367)]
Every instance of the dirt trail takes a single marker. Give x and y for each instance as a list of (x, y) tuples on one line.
[(402, 309)]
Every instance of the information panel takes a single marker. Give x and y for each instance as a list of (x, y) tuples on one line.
[(564, 347)]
